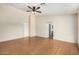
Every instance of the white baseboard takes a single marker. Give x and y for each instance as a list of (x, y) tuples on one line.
[(36, 36)]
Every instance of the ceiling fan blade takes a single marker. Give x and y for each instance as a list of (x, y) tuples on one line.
[(37, 8), (39, 11), (28, 11), (29, 7)]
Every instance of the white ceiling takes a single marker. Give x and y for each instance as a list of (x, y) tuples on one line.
[(49, 8)]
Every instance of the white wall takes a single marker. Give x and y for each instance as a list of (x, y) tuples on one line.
[(12, 22), (78, 29), (26, 29), (64, 27), (32, 25), (9, 14), (11, 31)]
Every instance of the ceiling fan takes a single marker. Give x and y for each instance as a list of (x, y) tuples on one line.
[(34, 9)]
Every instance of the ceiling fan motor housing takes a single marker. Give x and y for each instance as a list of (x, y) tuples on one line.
[(33, 8)]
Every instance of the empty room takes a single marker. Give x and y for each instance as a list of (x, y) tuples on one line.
[(39, 29)]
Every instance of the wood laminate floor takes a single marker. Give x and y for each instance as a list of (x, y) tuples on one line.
[(37, 46)]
